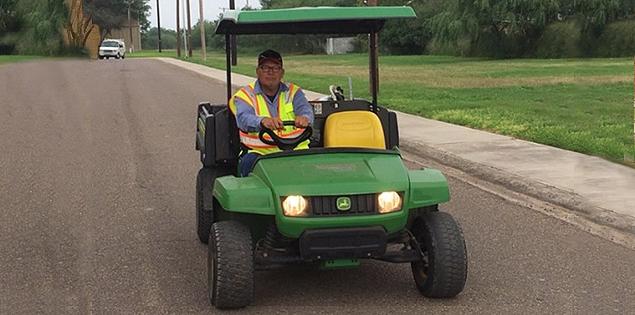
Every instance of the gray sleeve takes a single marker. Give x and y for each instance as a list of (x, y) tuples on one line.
[(246, 118), (301, 106)]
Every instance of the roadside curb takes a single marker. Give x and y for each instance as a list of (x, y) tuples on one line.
[(523, 185)]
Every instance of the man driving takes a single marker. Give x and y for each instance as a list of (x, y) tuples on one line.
[(267, 103)]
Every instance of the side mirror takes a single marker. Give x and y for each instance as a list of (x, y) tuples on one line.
[(120, 46)]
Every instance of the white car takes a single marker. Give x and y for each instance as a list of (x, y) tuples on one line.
[(112, 48)]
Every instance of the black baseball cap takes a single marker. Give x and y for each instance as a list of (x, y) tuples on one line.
[(270, 55)]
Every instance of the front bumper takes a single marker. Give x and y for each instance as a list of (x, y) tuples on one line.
[(294, 227), (106, 53), (324, 244)]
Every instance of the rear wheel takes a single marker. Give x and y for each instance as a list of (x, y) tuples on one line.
[(442, 271), (230, 265), (205, 199)]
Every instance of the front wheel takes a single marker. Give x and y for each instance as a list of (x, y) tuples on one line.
[(230, 265), (442, 271)]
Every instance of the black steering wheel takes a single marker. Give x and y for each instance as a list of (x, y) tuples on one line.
[(285, 144)]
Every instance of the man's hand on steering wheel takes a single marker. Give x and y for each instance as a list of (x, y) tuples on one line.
[(301, 121), (273, 123)]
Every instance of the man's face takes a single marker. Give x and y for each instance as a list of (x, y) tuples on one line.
[(270, 74)]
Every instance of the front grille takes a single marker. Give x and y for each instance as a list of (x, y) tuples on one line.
[(326, 205)]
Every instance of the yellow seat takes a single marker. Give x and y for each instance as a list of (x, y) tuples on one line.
[(354, 129)]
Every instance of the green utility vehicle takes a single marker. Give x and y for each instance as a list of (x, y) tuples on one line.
[(346, 199)]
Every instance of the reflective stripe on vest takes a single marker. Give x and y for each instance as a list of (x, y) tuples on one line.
[(285, 112), (246, 94), (253, 141)]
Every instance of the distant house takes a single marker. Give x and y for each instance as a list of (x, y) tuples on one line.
[(339, 45), (132, 43)]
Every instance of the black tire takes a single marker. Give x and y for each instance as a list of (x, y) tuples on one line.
[(101, 57), (230, 265), (205, 199), (123, 56), (117, 57), (442, 272)]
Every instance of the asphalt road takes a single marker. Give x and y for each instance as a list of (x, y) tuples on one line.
[(97, 172)]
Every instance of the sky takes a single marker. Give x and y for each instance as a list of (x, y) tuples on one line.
[(211, 10)]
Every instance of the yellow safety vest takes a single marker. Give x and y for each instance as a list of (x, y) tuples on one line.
[(285, 112)]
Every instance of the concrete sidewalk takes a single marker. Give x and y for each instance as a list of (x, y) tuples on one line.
[(601, 191)]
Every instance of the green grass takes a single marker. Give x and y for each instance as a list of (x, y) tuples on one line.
[(584, 105), (16, 58), (152, 53)]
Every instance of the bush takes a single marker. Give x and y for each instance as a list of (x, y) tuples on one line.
[(209, 33), (617, 40), (489, 44), (150, 39), (71, 51), (6, 49), (394, 40), (460, 47), (560, 40)]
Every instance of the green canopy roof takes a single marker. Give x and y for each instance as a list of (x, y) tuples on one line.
[(310, 20)]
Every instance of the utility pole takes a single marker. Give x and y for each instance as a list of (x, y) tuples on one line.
[(184, 29), (373, 38), (159, 24), (189, 30), (202, 24), (232, 6), (178, 31), (130, 27)]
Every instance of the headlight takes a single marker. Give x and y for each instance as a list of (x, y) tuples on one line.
[(294, 206), (389, 201)]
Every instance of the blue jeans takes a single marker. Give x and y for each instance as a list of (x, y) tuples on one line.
[(246, 164)]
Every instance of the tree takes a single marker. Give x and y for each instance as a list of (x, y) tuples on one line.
[(597, 12), (107, 14), (141, 10), (500, 27), (32, 26), (113, 14), (9, 23), (593, 16), (209, 33), (79, 24), (8, 16), (150, 38), (413, 35), (286, 43)]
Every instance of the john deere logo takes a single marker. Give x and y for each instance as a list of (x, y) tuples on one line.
[(343, 203)]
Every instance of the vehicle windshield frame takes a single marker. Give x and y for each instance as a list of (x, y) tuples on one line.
[(110, 44)]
